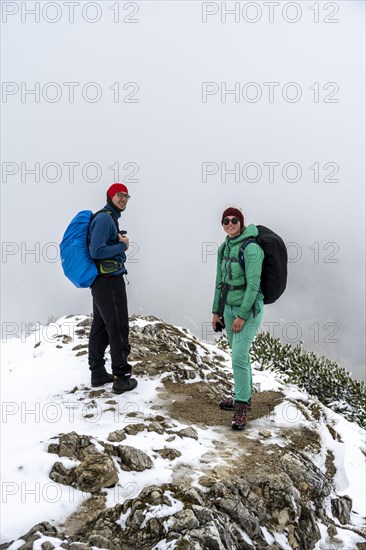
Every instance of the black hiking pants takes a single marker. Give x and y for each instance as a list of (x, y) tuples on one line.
[(110, 324)]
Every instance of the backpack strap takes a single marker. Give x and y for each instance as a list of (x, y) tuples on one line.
[(106, 267), (96, 214), (224, 286), (247, 241), (227, 259), (224, 292)]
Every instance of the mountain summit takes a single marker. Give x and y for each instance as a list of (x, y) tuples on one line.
[(159, 468)]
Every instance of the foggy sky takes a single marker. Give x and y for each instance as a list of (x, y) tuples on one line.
[(173, 217)]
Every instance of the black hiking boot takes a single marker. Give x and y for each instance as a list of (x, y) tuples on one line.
[(99, 377), (122, 384), (240, 416), (228, 405)]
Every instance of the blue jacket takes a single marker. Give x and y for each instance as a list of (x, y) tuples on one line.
[(103, 238)]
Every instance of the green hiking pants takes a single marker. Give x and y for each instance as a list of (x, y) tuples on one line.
[(240, 343)]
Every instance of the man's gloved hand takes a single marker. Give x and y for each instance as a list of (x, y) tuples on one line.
[(124, 239)]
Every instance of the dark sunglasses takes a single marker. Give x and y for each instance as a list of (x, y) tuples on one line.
[(226, 221)]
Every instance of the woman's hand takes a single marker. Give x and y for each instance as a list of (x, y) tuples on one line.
[(215, 319), (237, 324)]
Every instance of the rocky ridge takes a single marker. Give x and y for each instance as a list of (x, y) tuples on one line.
[(272, 487)]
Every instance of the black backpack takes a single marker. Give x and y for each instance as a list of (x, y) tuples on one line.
[(274, 269)]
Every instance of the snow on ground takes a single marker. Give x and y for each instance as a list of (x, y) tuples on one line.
[(39, 401), (37, 405), (349, 453), (349, 459), (344, 539)]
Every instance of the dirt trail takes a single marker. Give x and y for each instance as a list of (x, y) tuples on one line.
[(193, 404)]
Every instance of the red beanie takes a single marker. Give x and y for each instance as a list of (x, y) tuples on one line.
[(116, 188), (233, 212)]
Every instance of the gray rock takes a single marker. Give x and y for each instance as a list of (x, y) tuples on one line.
[(133, 429), (156, 497), (194, 496), (35, 533), (277, 492), (170, 454), (134, 459), (210, 538), (86, 322), (306, 476), (308, 532), (188, 432), (265, 433), (186, 544), (109, 449), (30, 541), (60, 474), (116, 436), (184, 520), (137, 519), (155, 427), (235, 508), (203, 514), (47, 545), (74, 446), (100, 542), (207, 481), (96, 472), (155, 528), (53, 448), (342, 508), (332, 531)]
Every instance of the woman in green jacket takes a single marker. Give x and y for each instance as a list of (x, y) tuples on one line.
[(239, 300)]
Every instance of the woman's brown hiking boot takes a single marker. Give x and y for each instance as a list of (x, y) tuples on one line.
[(229, 405), (240, 416)]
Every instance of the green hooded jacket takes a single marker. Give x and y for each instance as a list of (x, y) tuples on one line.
[(229, 271)]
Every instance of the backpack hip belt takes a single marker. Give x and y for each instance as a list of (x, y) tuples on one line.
[(105, 267), (224, 292)]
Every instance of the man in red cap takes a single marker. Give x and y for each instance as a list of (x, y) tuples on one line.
[(110, 314)]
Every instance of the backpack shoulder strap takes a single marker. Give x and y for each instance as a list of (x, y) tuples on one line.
[(107, 212), (221, 250), (247, 241), (96, 214)]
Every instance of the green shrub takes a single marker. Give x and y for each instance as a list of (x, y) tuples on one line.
[(325, 379), (223, 342)]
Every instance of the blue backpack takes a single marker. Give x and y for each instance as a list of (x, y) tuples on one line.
[(77, 263)]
